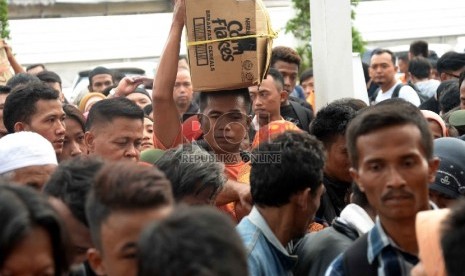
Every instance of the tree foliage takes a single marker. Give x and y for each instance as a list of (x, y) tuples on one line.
[(4, 28), (299, 26)]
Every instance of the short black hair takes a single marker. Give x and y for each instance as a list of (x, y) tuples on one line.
[(419, 48), (450, 97), (306, 75), (71, 183), (385, 51), (49, 76), (4, 89), (330, 122), (124, 186), (148, 109), (389, 113), (107, 110), (286, 54), (240, 93), (20, 105), (100, 71), (195, 241), (461, 79), (446, 86), (21, 210), (403, 57), (453, 239), (451, 61), (353, 103), (32, 66), (191, 170), (420, 67), (21, 79), (277, 77), (272, 183)]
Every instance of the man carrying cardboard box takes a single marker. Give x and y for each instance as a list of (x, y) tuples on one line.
[(223, 119), (229, 43)]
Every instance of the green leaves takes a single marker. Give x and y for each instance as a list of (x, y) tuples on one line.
[(5, 32), (299, 26)]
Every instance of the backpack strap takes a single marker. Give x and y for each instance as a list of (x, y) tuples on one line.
[(374, 95), (395, 93), (301, 115), (355, 259)]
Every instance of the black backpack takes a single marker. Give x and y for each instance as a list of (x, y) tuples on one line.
[(395, 93)]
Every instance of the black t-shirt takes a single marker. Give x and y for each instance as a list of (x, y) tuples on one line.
[(431, 104)]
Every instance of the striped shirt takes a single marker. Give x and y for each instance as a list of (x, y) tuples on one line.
[(390, 259)]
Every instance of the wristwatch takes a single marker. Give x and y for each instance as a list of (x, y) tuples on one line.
[(113, 92)]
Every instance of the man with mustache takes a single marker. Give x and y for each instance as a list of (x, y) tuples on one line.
[(391, 150)]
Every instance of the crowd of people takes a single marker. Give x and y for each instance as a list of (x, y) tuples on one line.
[(156, 179)]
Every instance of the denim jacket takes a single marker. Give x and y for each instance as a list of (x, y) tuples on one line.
[(265, 254)]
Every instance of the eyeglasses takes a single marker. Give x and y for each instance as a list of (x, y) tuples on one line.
[(452, 75)]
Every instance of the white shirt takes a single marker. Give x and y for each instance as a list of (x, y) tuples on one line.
[(406, 92), (428, 87)]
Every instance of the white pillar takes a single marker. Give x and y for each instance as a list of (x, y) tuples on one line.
[(332, 50)]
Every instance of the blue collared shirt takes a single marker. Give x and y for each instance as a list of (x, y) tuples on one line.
[(265, 253), (391, 259)]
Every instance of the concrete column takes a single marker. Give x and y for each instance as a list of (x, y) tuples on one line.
[(332, 50)]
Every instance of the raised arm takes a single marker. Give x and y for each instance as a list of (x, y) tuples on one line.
[(17, 68), (167, 126)]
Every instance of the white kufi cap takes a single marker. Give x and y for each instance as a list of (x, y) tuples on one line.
[(24, 149)]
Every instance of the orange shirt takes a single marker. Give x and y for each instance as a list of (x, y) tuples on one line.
[(233, 171), (271, 130), (237, 172)]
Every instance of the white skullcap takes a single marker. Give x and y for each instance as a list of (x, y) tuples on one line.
[(24, 149)]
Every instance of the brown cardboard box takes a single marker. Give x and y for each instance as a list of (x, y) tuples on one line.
[(218, 62)]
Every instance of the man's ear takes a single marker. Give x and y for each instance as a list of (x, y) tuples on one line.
[(443, 76), (89, 139), (94, 257), (433, 165), (20, 126), (355, 176), (204, 123), (302, 198), (283, 96)]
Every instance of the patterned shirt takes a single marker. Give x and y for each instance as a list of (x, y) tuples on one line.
[(381, 249)]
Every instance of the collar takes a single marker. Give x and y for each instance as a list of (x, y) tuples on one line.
[(377, 241), (257, 219), (392, 87)]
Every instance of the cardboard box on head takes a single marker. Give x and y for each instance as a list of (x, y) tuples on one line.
[(5, 68), (229, 43)]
